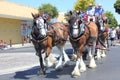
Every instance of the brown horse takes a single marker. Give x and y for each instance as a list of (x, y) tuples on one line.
[(82, 34), (45, 36), (103, 34)]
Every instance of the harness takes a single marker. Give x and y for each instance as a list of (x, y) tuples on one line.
[(82, 34), (56, 37), (36, 39)]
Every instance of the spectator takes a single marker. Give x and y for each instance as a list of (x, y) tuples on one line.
[(112, 35), (3, 45)]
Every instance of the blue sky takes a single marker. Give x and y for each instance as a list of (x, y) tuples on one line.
[(66, 5)]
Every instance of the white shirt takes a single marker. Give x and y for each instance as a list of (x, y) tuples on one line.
[(112, 33), (91, 11)]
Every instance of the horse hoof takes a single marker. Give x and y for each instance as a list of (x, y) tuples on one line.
[(103, 55), (75, 74), (92, 66), (44, 72), (41, 72), (59, 68), (82, 69), (38, 73)]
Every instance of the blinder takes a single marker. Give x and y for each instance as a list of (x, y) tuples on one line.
[(40, 28), (77, 29)]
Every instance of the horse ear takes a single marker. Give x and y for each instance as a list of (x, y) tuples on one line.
[(70, 12), (32, 15)]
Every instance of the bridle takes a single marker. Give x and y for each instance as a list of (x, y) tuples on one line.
[(75, 25), (40, 34)]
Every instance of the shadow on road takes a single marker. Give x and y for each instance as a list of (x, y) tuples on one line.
[(51, 73)]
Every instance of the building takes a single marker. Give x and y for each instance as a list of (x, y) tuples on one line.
[(15, 21), (61, 18)]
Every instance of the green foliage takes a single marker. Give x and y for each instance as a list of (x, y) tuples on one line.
[(83, 4), (48, 8), (117, 6), (112, 20), (67, 16), (80, 5)]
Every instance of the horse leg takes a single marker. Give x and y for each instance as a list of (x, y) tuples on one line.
[(63, 54), (91, 53), (74, 55), (35, 47), (76, 72), (49, 60), (80, 65), (98, 52), (66, 58), (41, 63), (103, 51)]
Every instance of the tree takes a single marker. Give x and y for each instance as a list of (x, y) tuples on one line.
[(112, 22), (49, 9), (80, 5), (83, 4), (117, 6)]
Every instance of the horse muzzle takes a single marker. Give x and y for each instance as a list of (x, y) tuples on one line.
[(74, 35)]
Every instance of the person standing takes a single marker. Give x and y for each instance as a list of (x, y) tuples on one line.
[(112, 35)]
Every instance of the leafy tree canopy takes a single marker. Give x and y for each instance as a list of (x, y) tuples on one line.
[(83, 4), (48, 8), (112, 22), (117, 6)]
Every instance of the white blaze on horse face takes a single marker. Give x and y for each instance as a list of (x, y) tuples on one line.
[(41, 26), (101, 24), (75, 30)]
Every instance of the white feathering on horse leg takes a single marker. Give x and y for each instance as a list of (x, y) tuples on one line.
[(103, 54), (74, 57), (98, 54), (76, 71), (59, 65), (51, 61), (82, 65), (66, 58), (92, 63)]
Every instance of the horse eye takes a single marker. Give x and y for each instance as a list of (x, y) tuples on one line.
[(68, 21)]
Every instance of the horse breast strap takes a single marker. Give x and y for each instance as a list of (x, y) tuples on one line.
[(88, 28)]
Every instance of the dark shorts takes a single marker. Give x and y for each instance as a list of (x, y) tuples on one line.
[(112, 39)]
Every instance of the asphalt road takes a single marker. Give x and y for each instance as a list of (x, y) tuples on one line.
[(107, 68)]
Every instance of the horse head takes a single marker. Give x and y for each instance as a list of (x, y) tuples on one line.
[(100, 23), (75, 24), (39, 26)]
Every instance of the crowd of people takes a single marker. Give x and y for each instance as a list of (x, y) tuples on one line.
[(93, 13), (97, 11)]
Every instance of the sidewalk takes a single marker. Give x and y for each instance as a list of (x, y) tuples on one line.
[(20, 45), (18, 61)]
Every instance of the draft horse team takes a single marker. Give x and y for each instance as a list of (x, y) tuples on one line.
[(81, 34)]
